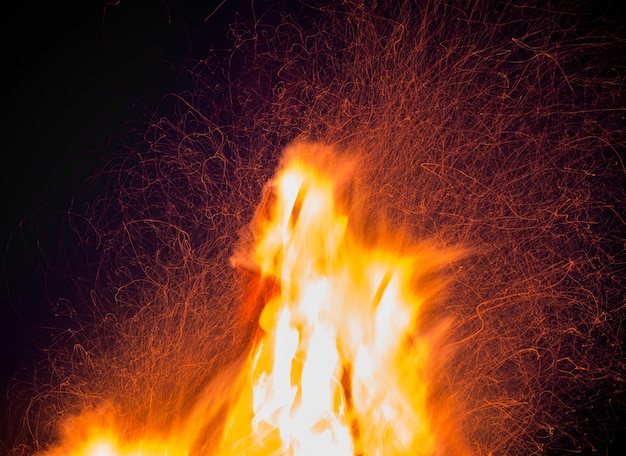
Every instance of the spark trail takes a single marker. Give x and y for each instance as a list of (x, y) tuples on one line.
[(496, 131)]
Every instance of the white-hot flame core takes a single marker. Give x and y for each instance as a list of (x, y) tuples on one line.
[(334, 372)]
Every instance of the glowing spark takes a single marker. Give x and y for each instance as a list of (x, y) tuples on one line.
[(350, 323)]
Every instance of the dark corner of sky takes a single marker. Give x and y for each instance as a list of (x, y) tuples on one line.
[(81, 79)]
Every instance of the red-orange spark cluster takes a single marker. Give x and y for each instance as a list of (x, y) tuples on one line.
[(458, 174)]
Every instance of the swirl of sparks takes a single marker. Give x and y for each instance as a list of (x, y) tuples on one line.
[(465, 297)]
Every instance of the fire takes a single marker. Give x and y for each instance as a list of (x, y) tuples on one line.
[(338, 368), (340, 364), (340, 317)]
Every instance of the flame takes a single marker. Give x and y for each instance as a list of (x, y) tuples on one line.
[(339, 368), (340, 365)]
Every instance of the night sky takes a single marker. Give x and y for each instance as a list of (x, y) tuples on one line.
[(81, 80)]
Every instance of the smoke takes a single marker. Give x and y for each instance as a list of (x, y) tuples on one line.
[(497, 127)]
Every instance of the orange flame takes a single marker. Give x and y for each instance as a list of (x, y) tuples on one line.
[(341, 364), (339, 368)]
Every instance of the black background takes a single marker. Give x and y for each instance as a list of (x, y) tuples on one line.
[(81, 79)]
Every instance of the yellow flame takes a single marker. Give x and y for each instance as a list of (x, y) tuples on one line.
[(337, 370), (339, 366)]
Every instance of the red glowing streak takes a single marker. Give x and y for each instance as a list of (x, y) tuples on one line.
[(496, 128)]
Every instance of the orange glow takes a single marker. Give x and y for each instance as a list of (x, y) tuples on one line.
[(339, 368), (435, 265), (340, 364)]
